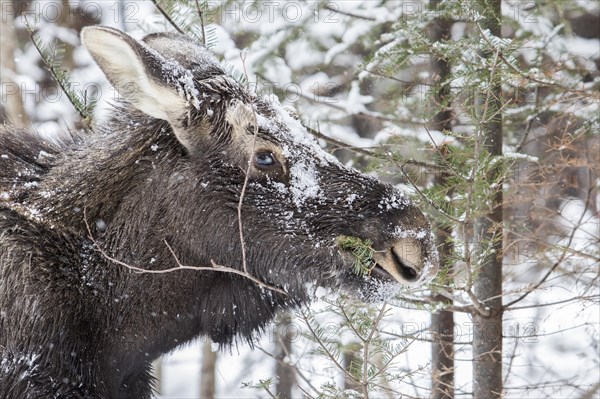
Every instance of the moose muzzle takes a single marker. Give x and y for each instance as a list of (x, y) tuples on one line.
[(403, 261)]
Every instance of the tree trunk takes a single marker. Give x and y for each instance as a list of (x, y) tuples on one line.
[(207, 378), (442, 322), (14, 112), (286, 374), (487, 328), (350, 361), (157, 374)]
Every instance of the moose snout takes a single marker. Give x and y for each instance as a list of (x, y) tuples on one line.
[(404, 260)]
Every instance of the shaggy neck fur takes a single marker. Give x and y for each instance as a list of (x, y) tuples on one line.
[(128, 209)]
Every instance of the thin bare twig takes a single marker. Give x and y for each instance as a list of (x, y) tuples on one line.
[(333, 104), (167, 16), (511, 360), (370, 151), (214, 268), (422, 195), (406, 82), (331, 8), (201, 16), (269, 392), (243, 193), (595, 298), (306, 380), (557, 263), (341, 144)]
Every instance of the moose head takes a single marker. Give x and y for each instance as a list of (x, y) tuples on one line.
[(297, 199)]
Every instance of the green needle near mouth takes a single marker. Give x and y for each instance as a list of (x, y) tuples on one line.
[(362, 252)]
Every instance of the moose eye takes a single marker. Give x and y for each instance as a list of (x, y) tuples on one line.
[(265, 159)]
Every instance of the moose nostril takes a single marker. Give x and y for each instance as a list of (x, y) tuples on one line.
[(408, 271)]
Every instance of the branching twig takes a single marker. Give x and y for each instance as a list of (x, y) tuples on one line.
[(526, 75), (334, 105), (366, 350), (477, 305), (422, 195), (405, 82), (371, 151), (556, 264), (287, 353), (325, 348), (340, 144), (214, 268)]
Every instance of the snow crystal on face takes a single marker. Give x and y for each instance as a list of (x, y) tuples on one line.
[(4, 156), (8, 364), (419, 234), (280, 187), (189, 88), (351, 198), (395, 201), (43, 154), (101, 225), (295, 133), (304, 182)]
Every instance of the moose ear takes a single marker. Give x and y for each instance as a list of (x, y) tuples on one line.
[(140, 75)]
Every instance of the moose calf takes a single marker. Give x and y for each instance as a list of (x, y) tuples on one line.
[(88, 224)]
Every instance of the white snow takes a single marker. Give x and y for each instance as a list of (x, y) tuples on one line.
[(301, 46), (304, 182), (351, 198), (396, 201)]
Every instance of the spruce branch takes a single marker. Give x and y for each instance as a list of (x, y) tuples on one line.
[(53, 58), (362, 252), (177, 14)]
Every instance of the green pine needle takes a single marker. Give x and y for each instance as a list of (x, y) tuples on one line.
[(362, 252)]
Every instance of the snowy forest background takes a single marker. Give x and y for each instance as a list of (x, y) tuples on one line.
[(488, 116)]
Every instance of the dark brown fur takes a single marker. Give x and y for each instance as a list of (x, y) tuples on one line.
[(75, 324)]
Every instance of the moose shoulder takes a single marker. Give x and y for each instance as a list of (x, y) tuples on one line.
[(157, 186)]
